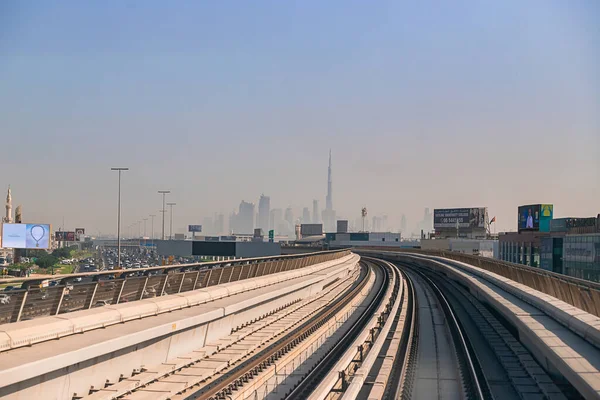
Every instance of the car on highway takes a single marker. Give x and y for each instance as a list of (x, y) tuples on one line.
[(102, 303)]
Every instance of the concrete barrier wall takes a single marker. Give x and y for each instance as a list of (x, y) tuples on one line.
[(39, 302), (579, 293), (154, 340), (563, 339)]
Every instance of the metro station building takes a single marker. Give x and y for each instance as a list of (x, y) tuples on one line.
[(569, 246)]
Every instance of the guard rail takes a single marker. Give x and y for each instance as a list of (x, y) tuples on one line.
[(120, 286)]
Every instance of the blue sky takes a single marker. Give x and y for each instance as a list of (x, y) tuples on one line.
[(466, 103)]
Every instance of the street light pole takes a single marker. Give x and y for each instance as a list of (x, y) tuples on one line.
[(145, 219), (171, 218), (152, 231), (119, 217), (163, 211)]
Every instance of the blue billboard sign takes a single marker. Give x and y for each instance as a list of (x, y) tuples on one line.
[(194, 228)]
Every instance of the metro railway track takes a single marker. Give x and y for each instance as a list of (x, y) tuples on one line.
[(246, 369), (224, 385), (515, 373), (445, 342), (435, 346), (324, 365)]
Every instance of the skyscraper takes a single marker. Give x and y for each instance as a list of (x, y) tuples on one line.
[(275, 219), (315, 214), (208, 226), (289, 217), (329, 199), (243, 221), (8, 216), (403, 225), (264, 206), (219, 224), (246, 217), (305, 216), (328, 212)]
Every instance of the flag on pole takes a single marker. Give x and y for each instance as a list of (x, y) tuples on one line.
[(493, 220)]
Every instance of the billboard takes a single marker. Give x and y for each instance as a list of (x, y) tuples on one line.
[(466, 217), (79, 232), (579, 252), (342, 226), (62, 236), (529, 218), (546, 214), (311, 229), (26, 236), (194, 228)]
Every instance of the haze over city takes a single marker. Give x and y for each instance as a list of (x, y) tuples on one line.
[(423, 105)]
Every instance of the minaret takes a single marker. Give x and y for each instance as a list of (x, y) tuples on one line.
[(8, 217), (328, 199)]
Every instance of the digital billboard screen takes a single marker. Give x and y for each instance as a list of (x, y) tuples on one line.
[(64, 236), (466, 217), (26, 236), (529, 218)]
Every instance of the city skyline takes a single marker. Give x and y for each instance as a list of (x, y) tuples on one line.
[(470, 106)]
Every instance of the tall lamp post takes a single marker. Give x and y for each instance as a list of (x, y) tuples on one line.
[(163, 211), (152, 231), (171, 220), (120, 169), (145, 219)]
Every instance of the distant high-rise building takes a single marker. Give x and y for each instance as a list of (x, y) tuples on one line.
[(246, 218), (403, 225), (233, 222), (305, 216), (329, 197), (264, 206), (329, 213), (316, 214), (428, 220), (377, 224), (275, 219), (289, 217), (8, 217), (219, 224), (207, 226), (426, 225)]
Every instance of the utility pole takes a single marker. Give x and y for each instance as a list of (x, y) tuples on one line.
[(457, 228), (145, 219), (152, 232), (171, 218), (118, 218), (163, 211)]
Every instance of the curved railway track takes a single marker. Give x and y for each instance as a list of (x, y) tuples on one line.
[(438, 361), (235, 376), (324, 365), (438, 342)]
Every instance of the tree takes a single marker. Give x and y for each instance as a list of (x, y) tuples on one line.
[(47, 261), (21, 266), (63, 252)]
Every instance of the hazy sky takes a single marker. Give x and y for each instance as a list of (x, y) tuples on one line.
[(435, 104)]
